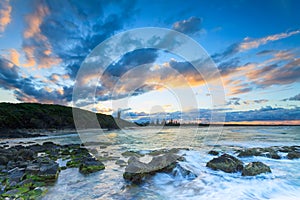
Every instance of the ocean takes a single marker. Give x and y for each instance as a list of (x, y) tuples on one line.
[(282, 183)]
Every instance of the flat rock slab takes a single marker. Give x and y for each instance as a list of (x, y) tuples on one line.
[(136, 171)]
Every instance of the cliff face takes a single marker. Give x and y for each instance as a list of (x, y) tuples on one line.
[(45, 116)]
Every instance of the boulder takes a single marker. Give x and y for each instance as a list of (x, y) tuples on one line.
[(213, 152), (226, 163), (91, 165), (15, 175), (26, 154), (3, 160), (293, 155), (49, 171), (255, 168), (136, 171)]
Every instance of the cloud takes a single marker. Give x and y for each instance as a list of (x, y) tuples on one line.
[(14, 57), (294, 98), (261, 101), (265, 52), (61, 34), (251, 43), (5, 18), (285, 74), (81, 26), (29, 89), (266, 114), (188, 26), (37, 49), (280, 68), (234, 101)]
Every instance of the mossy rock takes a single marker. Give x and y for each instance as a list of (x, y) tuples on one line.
[(226, 163), (91, 165), (16, 192), (255, 168), (73, 164)]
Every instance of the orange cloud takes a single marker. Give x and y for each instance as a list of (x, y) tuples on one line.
[(14, 57), (34, 22), (40, 55), (249, 43), (5, 18), (29, 54)]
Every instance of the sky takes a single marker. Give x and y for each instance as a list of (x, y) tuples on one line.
[(253, 44)]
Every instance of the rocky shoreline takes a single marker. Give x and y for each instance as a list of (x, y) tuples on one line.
[(26, 171)]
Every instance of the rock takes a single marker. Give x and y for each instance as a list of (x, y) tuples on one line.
[(214, 153), (165, 151), (26, 182), (287, 149), (226, 163), (10, 154), (33, 168), (257, 151), (293, 155), (136, 171), (26, 154), (255, 168), (180, 171), (3, 160), (91, 165), (251, 152), (15, 175), (272, 154), (49, 171), (121, 163), (131, 153), (16, 192), (37, 148)]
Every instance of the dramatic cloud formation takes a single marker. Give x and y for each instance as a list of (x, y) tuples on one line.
[(36, 46), (249, 43), (5, 18), (28, 89), (41, 63), (78, 29), (189, 26), (56, 42)]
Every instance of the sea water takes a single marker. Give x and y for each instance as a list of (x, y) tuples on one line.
[(282, 183)]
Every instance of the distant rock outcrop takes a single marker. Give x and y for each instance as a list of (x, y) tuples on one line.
[(51, 117)]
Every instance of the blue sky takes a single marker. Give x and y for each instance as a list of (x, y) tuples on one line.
[(254, 44)]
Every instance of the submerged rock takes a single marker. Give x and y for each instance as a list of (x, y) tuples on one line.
[(136, 171), (226, 163), (255, 168)]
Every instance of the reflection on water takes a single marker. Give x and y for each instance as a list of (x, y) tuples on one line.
[(283, 183)]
